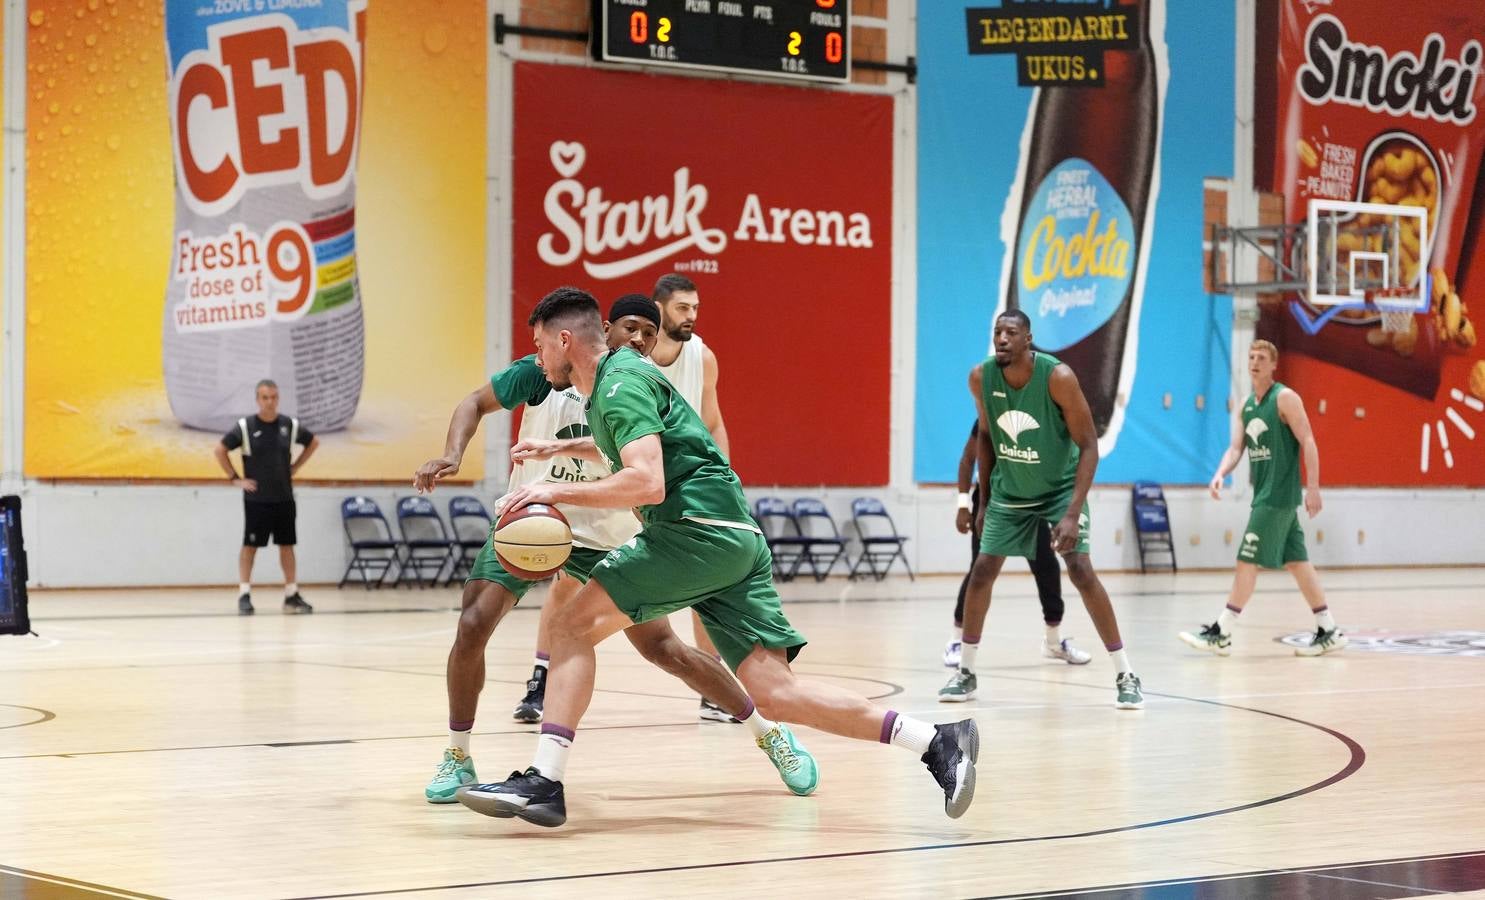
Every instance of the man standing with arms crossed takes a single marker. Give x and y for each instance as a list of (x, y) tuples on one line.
[(689, 364), (1275, 431)]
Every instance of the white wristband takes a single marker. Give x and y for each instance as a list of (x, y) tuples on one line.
[(964, 500)]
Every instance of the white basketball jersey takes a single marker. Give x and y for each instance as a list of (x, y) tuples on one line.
[(561, 416), (686, 373)]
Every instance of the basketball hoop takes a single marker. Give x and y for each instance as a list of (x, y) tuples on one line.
[(1386, 301)]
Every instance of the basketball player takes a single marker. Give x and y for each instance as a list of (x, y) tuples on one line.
[(698, 548), (691, 366), (491, 592), (1033, 412), (1275, 431), (1044, 568)]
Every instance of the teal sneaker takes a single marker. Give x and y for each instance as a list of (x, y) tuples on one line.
[(456, 770), (961, 687), (1129, 694), (795, 764)]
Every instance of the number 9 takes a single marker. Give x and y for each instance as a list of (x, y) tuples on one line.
[(291, 281)]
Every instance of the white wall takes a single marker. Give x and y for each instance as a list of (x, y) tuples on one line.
[(82, 536)]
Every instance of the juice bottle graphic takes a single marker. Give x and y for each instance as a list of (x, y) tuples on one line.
[(265, 114), (1078, 224)]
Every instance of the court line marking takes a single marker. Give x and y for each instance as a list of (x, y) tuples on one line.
[(104, 890), (1354, 763), (46, 716), (1256, 873)]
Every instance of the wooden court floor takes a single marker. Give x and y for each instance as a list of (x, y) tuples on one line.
[(153, 743)]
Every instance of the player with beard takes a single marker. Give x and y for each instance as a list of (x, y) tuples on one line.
[(1035, 420), (689, 364)]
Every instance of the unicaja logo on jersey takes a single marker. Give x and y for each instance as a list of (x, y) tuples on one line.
[(1255, 430), (1250, 543), (1014, 423)]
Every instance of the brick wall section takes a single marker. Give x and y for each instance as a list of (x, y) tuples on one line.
[(868, 43)]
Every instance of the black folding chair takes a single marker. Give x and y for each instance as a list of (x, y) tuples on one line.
[(374, 549), (1152, 524), (881, 545), (470, 522), (426, 545), (782, 534), (824, 547)]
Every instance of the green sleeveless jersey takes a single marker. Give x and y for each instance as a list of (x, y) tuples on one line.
[(1273, 452), (1036, 458), (632, 399)]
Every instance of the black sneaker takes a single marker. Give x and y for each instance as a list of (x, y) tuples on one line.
[(526, 795), (714, 713), (529, 709), (245, 605), (951, 759), (294, 605)]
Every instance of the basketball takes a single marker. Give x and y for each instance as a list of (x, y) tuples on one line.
[(532, 542)]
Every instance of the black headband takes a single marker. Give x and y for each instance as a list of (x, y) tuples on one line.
[(634, 305)]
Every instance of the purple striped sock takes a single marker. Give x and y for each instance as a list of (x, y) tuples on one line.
[(461, 726), (1233, 609), (1320, 609), (887, 723), (746, 711), (542, 656), (1115, 647), (558, 730), (971, 639)]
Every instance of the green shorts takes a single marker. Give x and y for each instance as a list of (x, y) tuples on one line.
[(1273, 538), (725, 574), (487, 567), (1010, 526)]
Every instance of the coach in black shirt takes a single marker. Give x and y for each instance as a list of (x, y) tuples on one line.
[(267, 440)]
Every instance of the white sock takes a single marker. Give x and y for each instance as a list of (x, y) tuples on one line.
[(1225, 620), (757, 725), (911, 734), (551, 755), (1120, 660), (460, 740), (1323, 619), (958, 634), (967, 654), (541, 663), (291, 589), (244, 588), (1054, 635)]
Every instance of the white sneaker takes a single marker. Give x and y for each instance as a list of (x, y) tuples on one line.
[(951, 654), (1066, 652)]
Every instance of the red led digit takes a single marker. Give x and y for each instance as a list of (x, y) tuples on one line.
[(834, 46), (639, 27)]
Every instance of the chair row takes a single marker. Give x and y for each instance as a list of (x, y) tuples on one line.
[(428, 552), (804, 533)]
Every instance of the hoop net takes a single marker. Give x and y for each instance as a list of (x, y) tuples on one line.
[(1394, 318)]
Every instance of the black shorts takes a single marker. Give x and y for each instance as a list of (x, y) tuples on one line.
[(268, 519)]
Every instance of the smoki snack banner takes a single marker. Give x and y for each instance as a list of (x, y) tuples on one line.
[(229, 223), (1365, 106), (775, 201)]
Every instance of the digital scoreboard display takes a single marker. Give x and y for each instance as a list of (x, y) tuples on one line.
[(803, 39)]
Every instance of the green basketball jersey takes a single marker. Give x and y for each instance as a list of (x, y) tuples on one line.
[(1035, 456), (1273, 452), (632, 399)]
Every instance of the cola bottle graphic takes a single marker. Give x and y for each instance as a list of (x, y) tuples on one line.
[(1078, 253), (265, 116)]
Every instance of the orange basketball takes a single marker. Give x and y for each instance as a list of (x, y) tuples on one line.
[(532, 542)]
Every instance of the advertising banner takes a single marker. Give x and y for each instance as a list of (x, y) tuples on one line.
[(775, 201), (1062, 151), (1366, 106), (300, 198)]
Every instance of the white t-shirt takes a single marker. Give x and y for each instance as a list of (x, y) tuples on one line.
[(687, 373)]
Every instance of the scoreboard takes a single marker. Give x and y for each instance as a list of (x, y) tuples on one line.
[(801, 39)]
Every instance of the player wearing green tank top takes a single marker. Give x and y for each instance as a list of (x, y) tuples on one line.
[(1035, 419), (1275, 431), (698, 548)]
